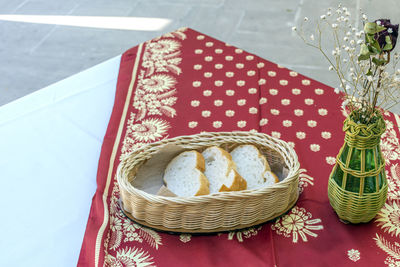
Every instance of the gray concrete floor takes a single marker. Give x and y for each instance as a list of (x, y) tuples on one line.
[(36, 55)]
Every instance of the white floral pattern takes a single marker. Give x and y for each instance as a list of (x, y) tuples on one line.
[(297, 223), (304, 180), (388, 218), (130, 257), (353, 255), (246, 233), (392, 250)]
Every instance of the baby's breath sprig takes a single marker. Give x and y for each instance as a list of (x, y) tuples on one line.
[(360, 59)]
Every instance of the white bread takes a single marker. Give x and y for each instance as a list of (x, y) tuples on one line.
[(184, 175), (253, 167), (221, 171)]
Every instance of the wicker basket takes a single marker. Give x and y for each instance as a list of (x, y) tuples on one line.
[(222, 211)]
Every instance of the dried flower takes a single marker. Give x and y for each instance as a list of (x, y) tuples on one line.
[(360, 58), (390, 30)]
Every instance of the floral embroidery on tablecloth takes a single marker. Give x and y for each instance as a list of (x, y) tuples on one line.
[(393, 250), (393, 178), (390, 143), (124, 230), (245, 233), (155, 93), (304, 180), (353, 254), (185, 238), (154, 98), (388, 218), (129, 257), (297, 223)]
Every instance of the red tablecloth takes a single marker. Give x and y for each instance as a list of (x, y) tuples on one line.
[(186, 82)]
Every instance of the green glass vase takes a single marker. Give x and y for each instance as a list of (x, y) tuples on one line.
[(357, 186)]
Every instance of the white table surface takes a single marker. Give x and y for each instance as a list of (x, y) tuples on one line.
[(50, 144)]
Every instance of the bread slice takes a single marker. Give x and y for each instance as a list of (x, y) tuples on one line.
[(221, 171), (184, 175), (253, 167)]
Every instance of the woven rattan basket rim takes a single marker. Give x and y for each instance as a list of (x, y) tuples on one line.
[(291, 161)]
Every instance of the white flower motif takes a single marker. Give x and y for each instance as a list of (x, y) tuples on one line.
[(129, 257), (309, 101), (208, 58), (218, 102), (195, 103), (326, 135), (230, 92), (217, 124), (353, 255), (200, 37), (274, 112), (263, 100), (301, 135), (253, 110), (291, 144), (319, 91), (241, 124), (218, 51), (207, 92), (197, 67), (249, 57), (263, 121), (185, 238), (198, 51), (297, 223), (208, 74), (260, 65), (330, 160), (296, 91), (389, 151), (239, 65), (305, 82), (165, 46), (285, 102), (218, 66), (229, 113), (311, 123), (315, 147), (251, 73), (206, 113), (241, 102), (293, 73), (209, 44), (238, 51), (287, 123), (273, 91), (240, 83), (218, 83), (252, 91), (283, 82), (388, 218), (229, 74), (196, 84), (298, 112), (148, 130), (276, 134), (193, 124), (271, 73), (228, 58), (322, 111), (159, 83)]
